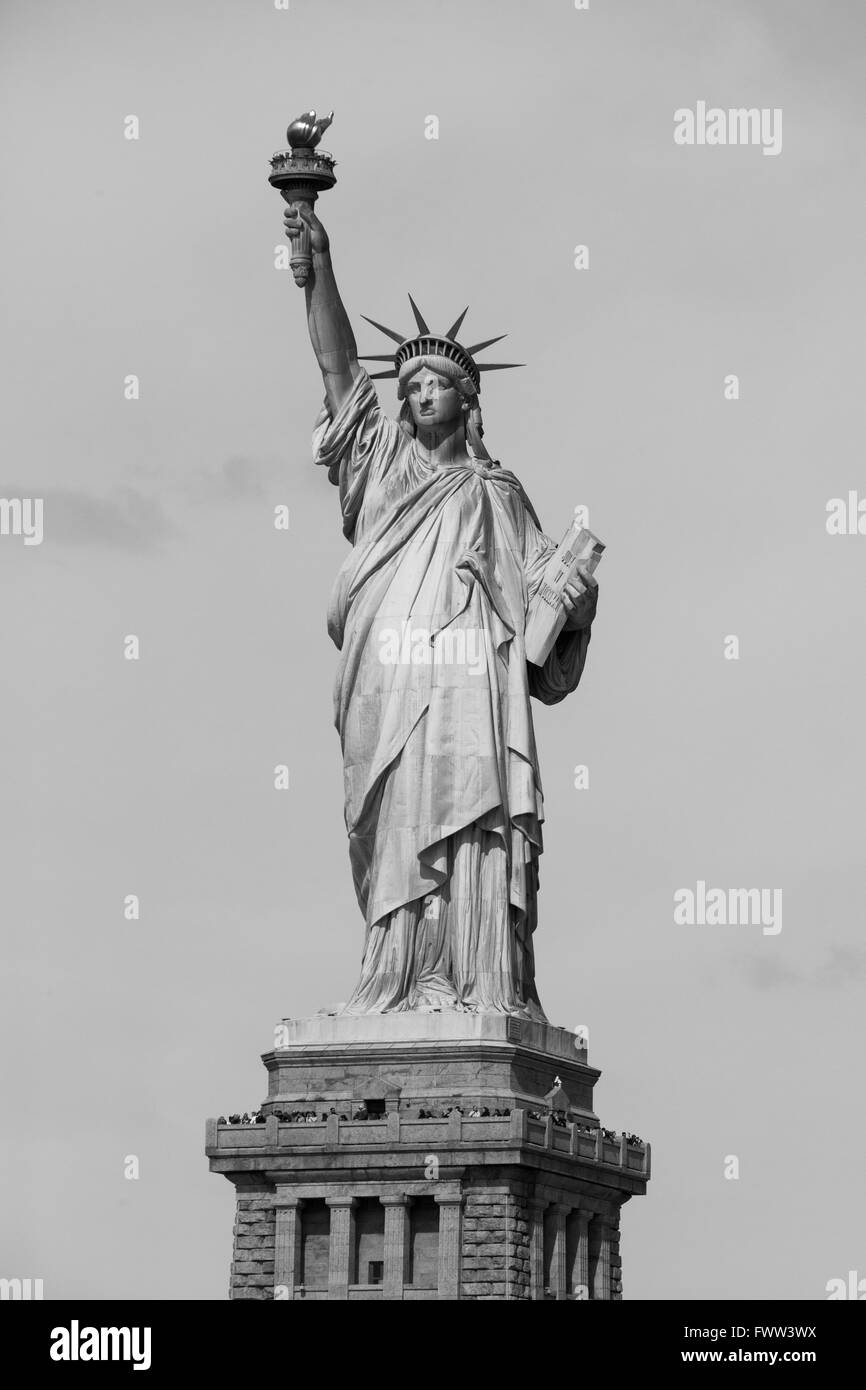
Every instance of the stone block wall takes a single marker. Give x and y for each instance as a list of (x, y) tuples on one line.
[(495, 1253), (252, 1271), (615, 1264)]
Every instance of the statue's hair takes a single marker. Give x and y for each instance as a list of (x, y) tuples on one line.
[(443, 366)]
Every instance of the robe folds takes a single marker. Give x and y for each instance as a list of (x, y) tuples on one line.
[(443, 797)]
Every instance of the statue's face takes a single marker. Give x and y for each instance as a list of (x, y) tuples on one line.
[(434, 399)]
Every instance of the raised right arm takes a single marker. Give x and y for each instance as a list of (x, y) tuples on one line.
[(330, 331)]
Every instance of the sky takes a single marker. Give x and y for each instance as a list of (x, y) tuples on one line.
[(156, 257)]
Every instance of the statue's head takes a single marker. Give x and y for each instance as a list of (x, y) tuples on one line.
[(436, 395), (438, 378)]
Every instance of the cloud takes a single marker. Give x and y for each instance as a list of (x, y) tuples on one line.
[(238, 479), (844, 965), (840, 966), (769, 972), (124, 520), (135, 521)]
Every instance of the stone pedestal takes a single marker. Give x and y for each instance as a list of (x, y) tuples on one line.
[(519, 1205)]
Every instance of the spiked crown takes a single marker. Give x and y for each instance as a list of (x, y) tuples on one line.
[(427, 344)]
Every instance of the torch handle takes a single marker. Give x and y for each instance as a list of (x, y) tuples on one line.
[(301, 260)]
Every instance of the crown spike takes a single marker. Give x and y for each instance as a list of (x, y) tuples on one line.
[(389, 332), (375, 357), (419, 317), (488, 342), (378, 376), (497, 366), (455, 327)]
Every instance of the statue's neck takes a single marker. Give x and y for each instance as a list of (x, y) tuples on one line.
[(443, 446)]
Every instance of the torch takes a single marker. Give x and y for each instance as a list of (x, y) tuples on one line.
[(301, 173)]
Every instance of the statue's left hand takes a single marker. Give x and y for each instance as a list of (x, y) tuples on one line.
[(579, 598)]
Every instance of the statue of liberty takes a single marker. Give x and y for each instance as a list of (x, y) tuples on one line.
[(443, 798)]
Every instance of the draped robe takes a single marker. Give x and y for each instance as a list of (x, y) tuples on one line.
[(443, 797)]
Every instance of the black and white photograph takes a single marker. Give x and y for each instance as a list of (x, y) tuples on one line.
[(433, 563)]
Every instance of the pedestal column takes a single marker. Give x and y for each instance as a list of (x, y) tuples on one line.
[(559, 1262), (287, 1251), (601, 1272), (537, 1209), (581, 1263), (396, 1245), (449, 1246), (340, 1245)]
